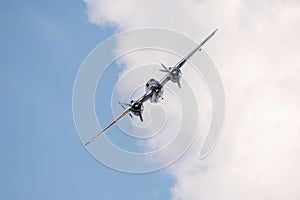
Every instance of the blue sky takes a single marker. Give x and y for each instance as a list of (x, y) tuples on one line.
[(43, 44)]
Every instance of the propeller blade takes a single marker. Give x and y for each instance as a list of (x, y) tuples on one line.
[(164, 67), (126, 104), (122, 104), (141, 117), (178, 83)]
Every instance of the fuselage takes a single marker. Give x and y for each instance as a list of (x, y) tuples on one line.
[(156, 89)]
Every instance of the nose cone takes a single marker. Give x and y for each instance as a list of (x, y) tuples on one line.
[(175, 74), (136, 106)]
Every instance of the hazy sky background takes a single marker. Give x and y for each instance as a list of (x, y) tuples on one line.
[(256, 52)]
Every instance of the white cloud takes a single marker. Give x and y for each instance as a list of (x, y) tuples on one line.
[(256, 52)]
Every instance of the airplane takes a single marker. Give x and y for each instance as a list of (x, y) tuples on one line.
[(154, 89)]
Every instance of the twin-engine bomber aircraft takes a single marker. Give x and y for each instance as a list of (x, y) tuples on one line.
[(154, 89)]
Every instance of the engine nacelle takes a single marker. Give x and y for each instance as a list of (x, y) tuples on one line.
[(175, 74), (157, 90), (136, 107)]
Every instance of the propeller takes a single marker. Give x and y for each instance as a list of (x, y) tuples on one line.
[(135, 108), (174, 75), (141, 117)]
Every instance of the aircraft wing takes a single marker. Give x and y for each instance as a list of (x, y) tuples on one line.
[(145, 97), (109, 125), (183, 60)]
